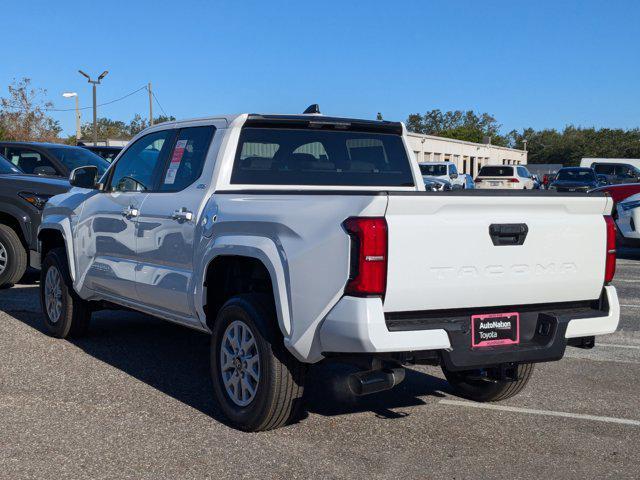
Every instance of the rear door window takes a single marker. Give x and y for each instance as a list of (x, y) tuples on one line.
[(275, 156), (184, 164)]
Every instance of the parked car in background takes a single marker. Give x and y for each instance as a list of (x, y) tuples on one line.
[(547, 179), (207, 224), (575, 179), (22, 198), (537, 183), (50, 159), (436, 185), (617, 172), (504, 176), (109, 153), (442, 171), (628, 219), (468, 181)]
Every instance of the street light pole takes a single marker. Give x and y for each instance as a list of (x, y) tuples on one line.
[(74, 94), (95, 106)]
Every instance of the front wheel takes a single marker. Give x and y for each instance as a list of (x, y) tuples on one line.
[(472, 385), (256, 381), (65, 313)]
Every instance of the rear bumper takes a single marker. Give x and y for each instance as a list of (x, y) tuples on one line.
[(359, 325)]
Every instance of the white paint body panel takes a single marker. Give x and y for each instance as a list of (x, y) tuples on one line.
[(562, 258)]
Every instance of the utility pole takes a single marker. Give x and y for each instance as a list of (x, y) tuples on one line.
[(95, 106), (150, 104)]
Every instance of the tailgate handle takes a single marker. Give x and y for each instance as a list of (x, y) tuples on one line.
[(508, 233)]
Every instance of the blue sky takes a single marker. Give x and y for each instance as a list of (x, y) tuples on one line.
[(539, 64)]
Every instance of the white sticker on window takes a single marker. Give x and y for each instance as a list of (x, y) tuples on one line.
[(176, 159)]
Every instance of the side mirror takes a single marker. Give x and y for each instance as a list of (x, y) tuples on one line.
[(453, 176), (45, 170), (84, 177)]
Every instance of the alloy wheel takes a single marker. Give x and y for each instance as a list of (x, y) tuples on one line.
[(240, 363)]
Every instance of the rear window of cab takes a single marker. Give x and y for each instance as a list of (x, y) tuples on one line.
[(496, 172), (280, 156)]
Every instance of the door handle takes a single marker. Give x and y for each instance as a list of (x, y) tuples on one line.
[(130, 212), (182, 215)]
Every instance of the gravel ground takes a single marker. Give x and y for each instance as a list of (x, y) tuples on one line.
[(133, 400)]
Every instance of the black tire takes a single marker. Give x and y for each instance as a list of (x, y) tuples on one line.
[(15, 263), (74, 313), (467, 385), (279, 388)]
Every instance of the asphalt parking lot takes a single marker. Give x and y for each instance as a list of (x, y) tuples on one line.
[(132, 400)]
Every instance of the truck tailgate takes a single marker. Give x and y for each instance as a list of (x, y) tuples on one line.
[(441, 254)]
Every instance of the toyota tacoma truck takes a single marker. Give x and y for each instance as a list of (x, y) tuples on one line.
[(297, 238)]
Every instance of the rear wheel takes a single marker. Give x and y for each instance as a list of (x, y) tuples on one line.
[(65, 313), (256, 381), (471, 384), (13, 257)]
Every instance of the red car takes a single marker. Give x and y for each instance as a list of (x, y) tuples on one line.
[(619, 191)]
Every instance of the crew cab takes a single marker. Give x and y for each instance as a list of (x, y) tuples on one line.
[(297, 238)]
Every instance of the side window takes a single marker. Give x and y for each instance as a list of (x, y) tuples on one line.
[(137, 167), (30, 161), (454, 170), (187, 158), (523, 172), (624, 170)]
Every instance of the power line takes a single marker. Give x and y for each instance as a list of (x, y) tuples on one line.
[(158, 102), (100, 105)]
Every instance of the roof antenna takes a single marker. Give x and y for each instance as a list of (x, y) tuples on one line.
[(312, 110)]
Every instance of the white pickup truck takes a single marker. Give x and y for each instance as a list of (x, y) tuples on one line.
[(295, 238)]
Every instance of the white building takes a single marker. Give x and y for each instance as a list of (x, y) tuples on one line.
[(467, 156)]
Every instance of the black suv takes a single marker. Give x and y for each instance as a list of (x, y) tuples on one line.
[(576, 179), (22, 198), (50, 159)]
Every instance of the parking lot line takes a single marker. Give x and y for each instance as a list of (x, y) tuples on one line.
[(617, 345), (549, 413), (621, 280)]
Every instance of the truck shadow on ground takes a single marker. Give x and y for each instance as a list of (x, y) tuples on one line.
[(175, 361)]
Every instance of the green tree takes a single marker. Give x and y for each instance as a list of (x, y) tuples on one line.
[(23, 114), (458, 124)]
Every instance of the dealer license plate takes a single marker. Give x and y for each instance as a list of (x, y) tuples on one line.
[(495, 329)]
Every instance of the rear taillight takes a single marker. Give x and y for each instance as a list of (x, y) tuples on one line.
[(478, 180), (610, 265), (514, 180), (368, 276)]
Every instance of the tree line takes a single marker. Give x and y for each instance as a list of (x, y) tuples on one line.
[(24, 115), (566, 146)]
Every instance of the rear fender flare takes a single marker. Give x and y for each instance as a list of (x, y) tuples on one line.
[(262, 249)]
